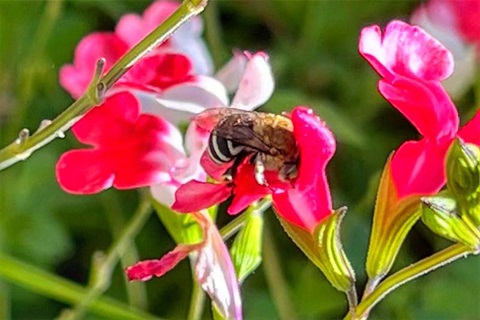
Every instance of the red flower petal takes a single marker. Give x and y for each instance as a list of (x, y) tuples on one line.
[(246, 189), (418, 167), (133, 150), (425, 104), (75, 78), (405, 50), (470, 132), (83, 172), (160, 71), (195, 196), (309, 202), (145, 270), (112, 120)]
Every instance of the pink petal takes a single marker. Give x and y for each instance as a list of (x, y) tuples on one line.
[(196, 195), (470, 132), (215, 273), (256, 85), (405, 50), (75, 78), (132, 28), (145, 270), (418, 167), (425, 104), (84, 172), (309, 202), (231, 73)]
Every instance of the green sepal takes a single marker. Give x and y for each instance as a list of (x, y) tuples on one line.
[(333, 260), (441, 216), (323, 247), (463, 178), (246, 250), (181, 226), (392, 220)]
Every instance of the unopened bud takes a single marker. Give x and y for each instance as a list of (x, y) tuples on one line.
[(440, 214), (463, 178)]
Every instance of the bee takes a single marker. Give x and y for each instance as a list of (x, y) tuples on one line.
[(267, 139)]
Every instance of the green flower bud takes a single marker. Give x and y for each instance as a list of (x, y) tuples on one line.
[(440, 214), (246, 250), (463, 178)]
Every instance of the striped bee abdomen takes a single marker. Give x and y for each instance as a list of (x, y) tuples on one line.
[(222, 150)]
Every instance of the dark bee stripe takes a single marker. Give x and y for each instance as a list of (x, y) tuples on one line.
[(222, 150)]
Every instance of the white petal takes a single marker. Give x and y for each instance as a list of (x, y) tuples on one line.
[(164, 192), (214, 270), (231, 73), (256, 85)]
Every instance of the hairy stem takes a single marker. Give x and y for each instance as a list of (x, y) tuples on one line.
[(21, 149), (407, 274)]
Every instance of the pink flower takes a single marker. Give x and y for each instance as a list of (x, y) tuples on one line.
[(130, 30), (305, 202), (128, 149), (456, 25), (412, 65), (212, 265)]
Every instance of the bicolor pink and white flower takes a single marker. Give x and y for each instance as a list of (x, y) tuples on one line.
[(305, 202), (412, 65), (212, 265), (166, 85), (456, 25)]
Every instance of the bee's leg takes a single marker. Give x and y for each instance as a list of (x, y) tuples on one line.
[(259, 171)]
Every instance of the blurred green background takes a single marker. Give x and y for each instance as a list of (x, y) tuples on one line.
[(313, 50)]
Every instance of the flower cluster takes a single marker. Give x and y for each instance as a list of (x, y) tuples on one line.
[(135, 141), (133, 134)]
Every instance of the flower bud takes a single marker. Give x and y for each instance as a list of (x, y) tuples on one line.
[(246, 250), (440, 214), (463, 178)]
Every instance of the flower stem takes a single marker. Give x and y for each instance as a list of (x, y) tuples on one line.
[(407, 274), (22, 149), (196, 301), (276, 281), (102, 272)]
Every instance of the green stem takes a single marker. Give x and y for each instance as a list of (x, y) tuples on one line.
[(196, 301), (407, 274), (102, 273), (60, 289), (23, 148), (233, 226), (276, 281), (136, 291)]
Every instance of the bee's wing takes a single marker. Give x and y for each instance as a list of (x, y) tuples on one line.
[(244, 136), (208, 119)]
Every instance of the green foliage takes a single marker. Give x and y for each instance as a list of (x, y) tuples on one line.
[(313, 49)]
